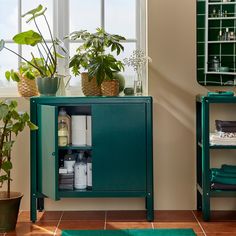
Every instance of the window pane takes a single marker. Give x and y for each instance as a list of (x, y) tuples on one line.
[(85, 15), (120, 17), (28, 5), (128, 72), (8, 61), (8, 18)]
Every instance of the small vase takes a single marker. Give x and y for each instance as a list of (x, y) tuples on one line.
[(48, 86), (138, 88)]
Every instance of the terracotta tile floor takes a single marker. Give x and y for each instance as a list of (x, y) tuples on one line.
[(223, 223)]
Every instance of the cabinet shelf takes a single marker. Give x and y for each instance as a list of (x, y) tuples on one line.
[(222, 18), (219, 146), (221, 3), (222, 41), (74, 147), (90, 193), (220, 73), (218, 193)]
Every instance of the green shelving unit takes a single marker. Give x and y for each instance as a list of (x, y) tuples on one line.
[(212, 17), (203, 147), (121, 150)]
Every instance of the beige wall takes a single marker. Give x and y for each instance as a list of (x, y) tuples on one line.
[(172, 83)]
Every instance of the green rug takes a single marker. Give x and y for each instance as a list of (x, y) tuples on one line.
[(130, 232)]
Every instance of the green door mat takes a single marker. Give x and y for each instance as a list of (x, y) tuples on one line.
[(130, 232)]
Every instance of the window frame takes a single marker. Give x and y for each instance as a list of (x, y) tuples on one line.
[(61, 24)]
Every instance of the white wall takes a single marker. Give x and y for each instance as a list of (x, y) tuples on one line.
[(173, 85)]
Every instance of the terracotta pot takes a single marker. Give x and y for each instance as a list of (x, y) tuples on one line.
[(9, 210), (90, 87), (110, 87)]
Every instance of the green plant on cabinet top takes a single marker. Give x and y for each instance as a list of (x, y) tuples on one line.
[(92, 55)]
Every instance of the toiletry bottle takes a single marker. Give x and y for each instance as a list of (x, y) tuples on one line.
[(62, 115), (89, 172), (62, 134), (80, 170), (69, 161), (226, 34), (220, 37)]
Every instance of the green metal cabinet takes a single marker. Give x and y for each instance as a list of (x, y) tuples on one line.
[(121, 148), (203, 147)]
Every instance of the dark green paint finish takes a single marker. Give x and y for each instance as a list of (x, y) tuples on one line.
[(137, 147), (119, 147), (204, 192), (225, 51), (48, 155)]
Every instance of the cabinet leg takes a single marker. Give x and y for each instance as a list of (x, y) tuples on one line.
[(199, 201), (33, 210), (40, 204), (150, 208), (206, 207)]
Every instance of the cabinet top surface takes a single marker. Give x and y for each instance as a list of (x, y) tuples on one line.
[(68, 99), (216, 99)]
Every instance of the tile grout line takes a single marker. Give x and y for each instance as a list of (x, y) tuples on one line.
[(55, 232), (199, 224), (105, 223)]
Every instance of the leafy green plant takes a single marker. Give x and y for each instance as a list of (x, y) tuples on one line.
[(46, 63), (12, 123), (95, 55)]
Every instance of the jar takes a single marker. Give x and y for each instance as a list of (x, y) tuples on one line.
[(62, 134)]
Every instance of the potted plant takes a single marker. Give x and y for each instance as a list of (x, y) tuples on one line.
[(94, 56), (12, 123), (46, 65), (25, 78)]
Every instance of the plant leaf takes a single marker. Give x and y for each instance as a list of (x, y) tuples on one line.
[(2, 44), (8, 75), (32, 126), (29, 37), (33, 11), (3, 111)]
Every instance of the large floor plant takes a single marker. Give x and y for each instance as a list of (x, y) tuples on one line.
[(11, 124)]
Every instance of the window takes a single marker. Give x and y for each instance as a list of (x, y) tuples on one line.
[(123, 17)]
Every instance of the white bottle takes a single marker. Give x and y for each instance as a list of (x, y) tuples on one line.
[(80, 172), (89, 172)]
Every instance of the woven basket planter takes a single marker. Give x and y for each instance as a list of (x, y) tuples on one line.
[(90, 88), (110, 88), (27, 87)]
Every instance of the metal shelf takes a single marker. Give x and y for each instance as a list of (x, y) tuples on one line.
[(221, 3), (225, 41), (220, 73), (222, 18), (74, 147), (219, 146)]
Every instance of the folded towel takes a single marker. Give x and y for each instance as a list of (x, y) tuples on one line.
[(223, 180), (228, 168), (221, 173), (218, 186), (218, 139), (225, 126)]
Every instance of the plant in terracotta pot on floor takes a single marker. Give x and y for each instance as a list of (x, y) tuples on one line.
[(11, 124), (94, 56), (47, 60)]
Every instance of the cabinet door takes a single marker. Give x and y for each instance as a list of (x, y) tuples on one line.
[(47, 151), (119, 147)]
